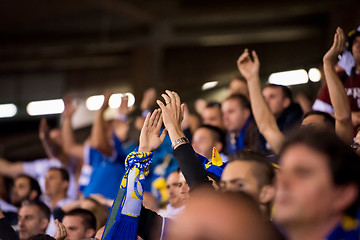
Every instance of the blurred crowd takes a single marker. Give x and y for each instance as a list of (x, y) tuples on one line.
[(261, 164)]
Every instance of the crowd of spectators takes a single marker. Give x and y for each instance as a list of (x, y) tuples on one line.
[(258, 165)]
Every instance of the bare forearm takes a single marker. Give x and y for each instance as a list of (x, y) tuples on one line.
[(264, 119), (70, 146), (340, 103), (10, 169), (98, 134)]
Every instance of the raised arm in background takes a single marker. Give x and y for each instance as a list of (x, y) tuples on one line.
[(99, 138), (338, 97), (70, 146), (265, 120)]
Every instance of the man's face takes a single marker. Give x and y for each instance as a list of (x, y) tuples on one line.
[(234, 115), (305, 192), (203, 142), (173, 187), (212, 116), (75, 228), (238, 176), (31, 222), (54, 184), (20, 191), (274, 97), (184, 187), (356, 50)]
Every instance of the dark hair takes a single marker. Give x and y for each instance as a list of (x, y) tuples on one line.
[(88, 218), (217, 134), (264, 171), (328, 119), (351, 37), (213, 105), (34, 185), (41, 237), (285, 90), (243, 101), (44, 210), (344, 164), (64, 173)]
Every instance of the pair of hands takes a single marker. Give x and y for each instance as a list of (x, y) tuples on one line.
[(171, 113)]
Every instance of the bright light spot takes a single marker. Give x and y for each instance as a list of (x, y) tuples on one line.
[(209, 85), (314, 75), (45, 107), (131, 99), (7, 110), (288, 78), (115, 100), (94, 103)]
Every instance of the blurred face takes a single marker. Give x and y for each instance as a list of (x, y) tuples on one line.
[(275, 99), (184, 187), (210, 217), (234, 115), (237, 86), (173, 187), (31, 222), (305, 192), (203, 142), (356, 49), (75, 228), (20, 191), (238, 176), (54, 184), (212, 116)]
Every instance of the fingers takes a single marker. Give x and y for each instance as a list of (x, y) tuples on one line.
[(161, 105), (163, 135), (146, 122), (152, 118), (159, 122), (177, 99), (182, 111), (172, 97), (255, 56), (166, 98)]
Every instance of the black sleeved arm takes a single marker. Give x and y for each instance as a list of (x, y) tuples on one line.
[(191, 166), (6, 231), (150, 224)]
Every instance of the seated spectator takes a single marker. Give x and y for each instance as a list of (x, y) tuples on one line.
[(176, 198), (34, 217), (80, 224), (241, 128), (250, 172), (56, 185), (317, 187), (25, 188), (212, 115), (205, 138)]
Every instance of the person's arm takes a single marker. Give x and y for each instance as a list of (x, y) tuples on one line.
[(10, 169), (99, 139), (70, 146), (338, 97), (6, 231), (264, 119), (51, 149), (150, 224), (189, 163)]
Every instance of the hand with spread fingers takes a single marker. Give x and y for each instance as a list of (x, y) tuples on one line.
[(61, 231), (173, 114), (105, 104), (338, 47), (69, 109), (149, 136), (249, 69)]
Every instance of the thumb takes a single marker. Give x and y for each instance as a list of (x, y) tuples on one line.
[(163, 135)]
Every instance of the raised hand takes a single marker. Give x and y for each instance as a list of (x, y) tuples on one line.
[(43, 129), (69, 107), (173, 111), (60, 231), (149, 136), (338, 47), (148, 99), (248, 68), (107, 96)]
